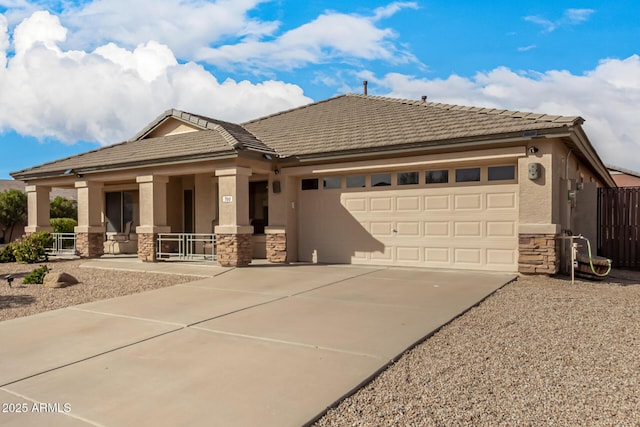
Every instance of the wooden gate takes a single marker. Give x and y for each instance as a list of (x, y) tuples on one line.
[(619, 225)]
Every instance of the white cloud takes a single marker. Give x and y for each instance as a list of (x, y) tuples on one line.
[(330, 36), (569, 17), (392, 9), (183, 25), (576, 16), (527, 48), (108, 94), (607, 97)]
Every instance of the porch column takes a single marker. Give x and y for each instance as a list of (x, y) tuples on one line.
[(90, 232), (38, 207), (234, 234), (153, 214)]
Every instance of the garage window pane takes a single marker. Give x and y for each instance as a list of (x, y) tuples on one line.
[(437, 177), (380, 179), (501, 173), (468, 175), (408, 178), (310, 184), (332, 182), (355, 181)]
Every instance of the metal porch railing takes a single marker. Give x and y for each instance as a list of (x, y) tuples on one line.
[(186, 246), (63, 244)]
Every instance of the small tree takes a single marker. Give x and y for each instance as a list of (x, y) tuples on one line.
[(13, 210), (61, 207)]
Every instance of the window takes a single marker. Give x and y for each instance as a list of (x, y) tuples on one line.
[(468, 175), (120, 208), (502, 173), (355, 181), (408, 178), (380, 179), (437, 177), (310, 184), (332, 182)]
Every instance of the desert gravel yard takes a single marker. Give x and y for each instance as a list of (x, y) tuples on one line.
[(539, 351), (95, 284)]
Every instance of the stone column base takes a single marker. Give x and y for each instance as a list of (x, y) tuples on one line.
[(147, 246), (90, 245), (234, 250), (539, 254), (277, 247)]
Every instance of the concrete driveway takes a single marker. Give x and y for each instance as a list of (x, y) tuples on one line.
[(264, 345)]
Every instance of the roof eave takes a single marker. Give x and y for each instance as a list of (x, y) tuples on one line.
[(129, 165)]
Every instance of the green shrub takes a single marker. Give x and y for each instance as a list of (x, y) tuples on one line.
[(6, 254), (36, 277), (33, 248), (63, 225)]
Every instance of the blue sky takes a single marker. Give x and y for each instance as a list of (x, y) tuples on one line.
[(78, 75)]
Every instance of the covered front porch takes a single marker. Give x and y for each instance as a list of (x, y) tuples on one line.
[(221, 214)]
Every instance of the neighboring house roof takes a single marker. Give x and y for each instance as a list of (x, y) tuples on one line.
[(359, 122), (340, 125), (623, 170)]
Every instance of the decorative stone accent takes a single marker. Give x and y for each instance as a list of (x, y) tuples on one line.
[(277, 247), (234, 250), (539, 254), (147, 246), (58, 280), (90, 245)]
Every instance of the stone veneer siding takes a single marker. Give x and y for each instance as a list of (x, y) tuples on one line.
[(277, 247), (90, 245), (147, 246), (539, 254), (234, 250)]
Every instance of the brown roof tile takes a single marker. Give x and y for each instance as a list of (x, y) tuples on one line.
[(356, 122)]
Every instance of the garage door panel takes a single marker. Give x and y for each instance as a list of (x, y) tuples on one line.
[(381, 229), (501, 229), (502, 257), (501, 201), (437, 255), (381, 204), (437, 228), (467, 256), (356, 204), (408, 229), (472, 227), (408, 204), (467, 201), (408, 254), (437, 203), (467, 229)]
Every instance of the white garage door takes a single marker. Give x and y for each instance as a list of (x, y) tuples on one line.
[(472, 227)]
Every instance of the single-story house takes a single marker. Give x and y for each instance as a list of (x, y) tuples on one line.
[(624, 177), (352, 179)]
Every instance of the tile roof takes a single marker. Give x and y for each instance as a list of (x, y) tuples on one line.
[(145, 151), (234, 133), (622, 170), (357, 122), (341, 124)]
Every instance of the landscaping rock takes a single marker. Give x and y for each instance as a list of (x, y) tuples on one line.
[(58, 280)]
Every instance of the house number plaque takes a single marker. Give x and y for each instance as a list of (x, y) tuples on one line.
[(227, 199)]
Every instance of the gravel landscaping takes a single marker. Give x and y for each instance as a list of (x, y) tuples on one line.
[(95, 284), (540, 351)]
